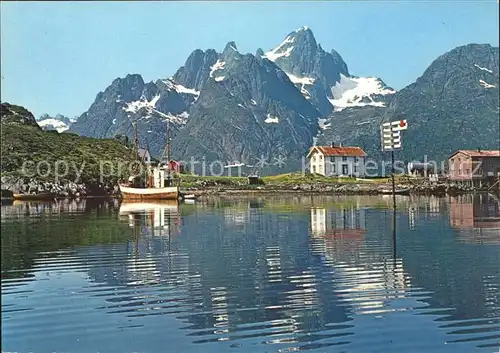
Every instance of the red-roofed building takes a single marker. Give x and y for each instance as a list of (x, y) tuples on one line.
[(337, 160), (176, 166), (471, 165)]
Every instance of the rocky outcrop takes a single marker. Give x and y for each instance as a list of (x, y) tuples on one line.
[(15, 114)]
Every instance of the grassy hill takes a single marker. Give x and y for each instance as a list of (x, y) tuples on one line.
[(23, 142)]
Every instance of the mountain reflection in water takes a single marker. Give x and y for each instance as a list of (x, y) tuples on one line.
[(260, 274)]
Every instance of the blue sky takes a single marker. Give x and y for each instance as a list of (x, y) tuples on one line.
[(56, 56)]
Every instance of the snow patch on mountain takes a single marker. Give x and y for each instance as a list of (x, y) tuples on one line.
[(272, 119), (357, 92), (135, 106), (301, 80), (483, 68), (180, 119), (180, 88), (53, 124), (486, 84), (219, 65), (281, 50), (323, 125)]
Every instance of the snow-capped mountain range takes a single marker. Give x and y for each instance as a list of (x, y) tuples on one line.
[(321, 78), (59, 122), (236, 107)]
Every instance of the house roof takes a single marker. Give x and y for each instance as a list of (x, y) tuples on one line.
[(339, 151), (478, 153)]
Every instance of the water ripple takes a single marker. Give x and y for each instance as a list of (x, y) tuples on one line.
[(319, 274)]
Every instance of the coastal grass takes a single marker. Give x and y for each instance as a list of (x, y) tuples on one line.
[(287, 179), (188, 180), (24, 143), (301, 178)]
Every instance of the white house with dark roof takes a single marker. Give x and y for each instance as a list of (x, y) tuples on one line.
[(144, 155), (337, 160)]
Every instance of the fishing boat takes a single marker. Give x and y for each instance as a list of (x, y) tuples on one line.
[(149, 193), (157, 183), (397, 191), (41, 196)]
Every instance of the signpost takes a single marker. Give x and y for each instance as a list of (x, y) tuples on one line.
[(390, 134)]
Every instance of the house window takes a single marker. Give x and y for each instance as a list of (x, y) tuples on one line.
[(344, 158), (355, 169), (320, 156), (345, 169), (333, 168), (314, 169), (314, 158), (356, 159), (332, 159)]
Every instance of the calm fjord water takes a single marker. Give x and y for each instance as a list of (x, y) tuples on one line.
[(270, 274)]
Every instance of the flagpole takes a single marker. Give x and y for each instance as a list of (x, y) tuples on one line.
[(393, 181), (391, 139)]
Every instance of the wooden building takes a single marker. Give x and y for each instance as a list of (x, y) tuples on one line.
[(475, 167)]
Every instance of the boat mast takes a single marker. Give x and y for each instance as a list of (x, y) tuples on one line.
[(136, 151), (169, 179), (136, 140), (168, 144)]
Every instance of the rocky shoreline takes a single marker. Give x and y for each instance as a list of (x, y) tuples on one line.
[(441, 189), (220, 187), (63, 189)]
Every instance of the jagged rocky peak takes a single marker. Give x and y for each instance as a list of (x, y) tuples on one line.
[(128, 88), (129, 81), (230, 48), (304, 38), (323, 77), (195, 71), (228, 60), (230, 54), (313, 70), (298, 46)]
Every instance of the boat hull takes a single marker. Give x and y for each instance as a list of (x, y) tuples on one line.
[(397, 192), (33, 197), (167, 193)]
